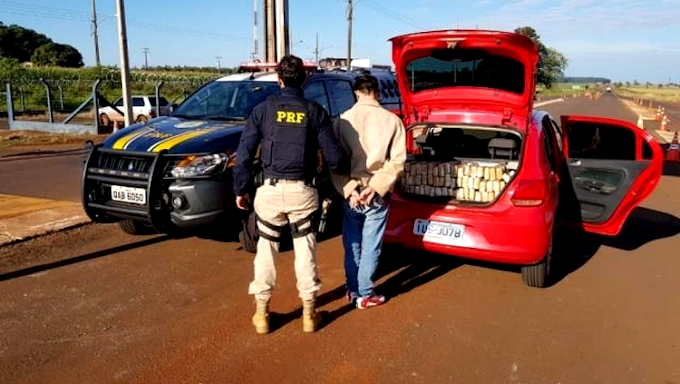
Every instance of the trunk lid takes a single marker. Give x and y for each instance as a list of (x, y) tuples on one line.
[(466, 73)]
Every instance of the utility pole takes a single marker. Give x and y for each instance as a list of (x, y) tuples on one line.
[(124, 62), (219, 67), (350, 16), (95, 34), (254, 55), (146, 59), (276, 40), (316, 49)]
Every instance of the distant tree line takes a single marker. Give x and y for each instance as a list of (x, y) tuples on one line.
[(585, 80), (648, 84), (23, 45)]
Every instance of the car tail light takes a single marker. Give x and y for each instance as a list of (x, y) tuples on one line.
[(530, 193), (411, 147)]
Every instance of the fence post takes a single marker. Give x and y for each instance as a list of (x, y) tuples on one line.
[(10, 106), (49, 100), (159, 84), (95, 102), (61, 97), (21, 96)]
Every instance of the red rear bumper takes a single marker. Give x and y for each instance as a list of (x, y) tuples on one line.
[(500, 234)]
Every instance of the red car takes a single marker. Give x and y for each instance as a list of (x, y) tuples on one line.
[(490, 178)]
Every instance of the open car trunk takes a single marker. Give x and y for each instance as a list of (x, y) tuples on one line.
[(450, 163)]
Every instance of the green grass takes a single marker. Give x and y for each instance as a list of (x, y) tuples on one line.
[(665, 94), (566, 89)]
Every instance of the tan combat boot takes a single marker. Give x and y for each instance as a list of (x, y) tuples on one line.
[(310, 318), (261, 316)]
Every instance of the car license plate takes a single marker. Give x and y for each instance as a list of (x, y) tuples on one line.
[(128, 194), (438, 232)]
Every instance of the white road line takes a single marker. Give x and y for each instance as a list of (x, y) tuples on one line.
[(548, 102)]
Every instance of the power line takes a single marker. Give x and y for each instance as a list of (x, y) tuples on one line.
[(42, 11), (394, 14), (182, 30), (44, 7), (44, 15)]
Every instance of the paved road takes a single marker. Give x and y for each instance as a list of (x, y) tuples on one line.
[(94, 305), (55, 176)]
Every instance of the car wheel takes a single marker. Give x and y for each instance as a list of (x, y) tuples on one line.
[(133, 227), (538, 275), (248, 236), (104, 120), (142, 119)]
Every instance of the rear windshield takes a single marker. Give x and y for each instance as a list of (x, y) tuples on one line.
[(465, 68)]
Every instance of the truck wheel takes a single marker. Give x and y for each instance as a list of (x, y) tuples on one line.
[(134, 227), (538, 275), (104, 120), (248, 236), (142, 119)]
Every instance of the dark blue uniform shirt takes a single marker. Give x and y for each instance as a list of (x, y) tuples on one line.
[(291, 129)]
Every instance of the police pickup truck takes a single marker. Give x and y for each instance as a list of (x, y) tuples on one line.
[(174, 173)]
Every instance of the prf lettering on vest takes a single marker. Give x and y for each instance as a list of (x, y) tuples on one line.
[(289, 117)]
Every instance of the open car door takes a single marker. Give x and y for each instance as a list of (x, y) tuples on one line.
[(613, 166)]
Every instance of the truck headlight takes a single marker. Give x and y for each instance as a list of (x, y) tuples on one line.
[(193, 166)]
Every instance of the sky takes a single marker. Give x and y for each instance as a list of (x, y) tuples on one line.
[(624, 40)]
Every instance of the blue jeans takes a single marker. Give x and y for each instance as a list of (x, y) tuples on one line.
[(362, 235)]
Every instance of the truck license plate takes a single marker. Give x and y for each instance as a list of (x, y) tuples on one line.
[(438, 232), (128, 194)]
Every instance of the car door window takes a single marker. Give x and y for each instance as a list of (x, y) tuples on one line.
[(558, 135), (548, 143), (342, 95), (137, 102), (118, 103), (601, 141), (316, 91), (163, 102)]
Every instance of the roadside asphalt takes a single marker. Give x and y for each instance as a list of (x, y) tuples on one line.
[(23, 218)]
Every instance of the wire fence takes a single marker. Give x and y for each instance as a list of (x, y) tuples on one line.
[(30, 95), (70, 87)]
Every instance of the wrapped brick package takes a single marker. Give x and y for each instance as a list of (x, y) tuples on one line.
[(455, 180)]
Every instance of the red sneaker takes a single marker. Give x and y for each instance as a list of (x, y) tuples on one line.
[(372, 300)]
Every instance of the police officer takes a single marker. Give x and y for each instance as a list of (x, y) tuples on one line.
[(291, 130)]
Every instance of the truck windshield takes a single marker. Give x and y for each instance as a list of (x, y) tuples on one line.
[(226, 100)]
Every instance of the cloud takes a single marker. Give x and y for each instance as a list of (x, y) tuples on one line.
[(625, 47), (585, 15)]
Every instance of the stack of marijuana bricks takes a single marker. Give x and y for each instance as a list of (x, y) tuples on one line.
[(462, 181)]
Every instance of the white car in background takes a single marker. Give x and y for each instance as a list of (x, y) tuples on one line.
[(143, 109)]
